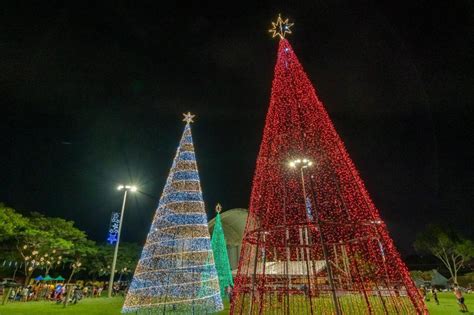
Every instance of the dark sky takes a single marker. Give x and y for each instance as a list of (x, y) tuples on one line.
[(92, 96)]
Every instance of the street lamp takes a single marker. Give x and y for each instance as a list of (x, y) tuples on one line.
[(301, 164), (126, 189)]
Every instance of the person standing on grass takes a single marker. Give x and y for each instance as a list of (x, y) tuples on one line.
[(230, 290), (434, 293), (24, 294), (457, 292), (423, 292), (99, 291), (85, 291)]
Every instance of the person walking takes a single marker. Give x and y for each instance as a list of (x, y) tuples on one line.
[(76, 295), (458, 293)]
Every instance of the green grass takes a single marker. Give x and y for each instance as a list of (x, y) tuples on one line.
[(90, 306), (448, 304), (105, 306)]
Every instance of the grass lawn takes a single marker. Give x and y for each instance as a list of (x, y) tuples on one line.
[(104, 306), (89, 306), (448, 304)]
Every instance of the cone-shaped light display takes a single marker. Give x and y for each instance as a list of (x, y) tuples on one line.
[(314, 242), (176, 271), (219, 247)]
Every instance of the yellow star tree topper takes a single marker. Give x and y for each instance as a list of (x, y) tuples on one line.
[(188, 117), (281, 27), (218, 208)]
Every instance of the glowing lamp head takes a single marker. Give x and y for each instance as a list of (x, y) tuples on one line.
[(300, 163), (131, 188)]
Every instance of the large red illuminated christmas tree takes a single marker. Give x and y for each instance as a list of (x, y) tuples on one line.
[(314, 241)]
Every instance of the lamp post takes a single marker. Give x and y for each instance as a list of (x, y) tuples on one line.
[(301, 164), (126, 189)]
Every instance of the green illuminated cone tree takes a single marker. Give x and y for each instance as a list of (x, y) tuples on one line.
[(220, 254)]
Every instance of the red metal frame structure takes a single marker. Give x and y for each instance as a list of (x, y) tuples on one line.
[(314, 241)]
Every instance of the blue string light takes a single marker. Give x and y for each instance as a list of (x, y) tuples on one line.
[(113, 228)]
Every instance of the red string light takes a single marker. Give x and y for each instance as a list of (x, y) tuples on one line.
[(314, 241)]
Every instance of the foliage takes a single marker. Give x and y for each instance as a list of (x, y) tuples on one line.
[(447, 245), (41, 242), (46, 240), (37, 242), (81, 250), (11, 222), (466, 280), (418, 274), (64, 232), (99, 265)]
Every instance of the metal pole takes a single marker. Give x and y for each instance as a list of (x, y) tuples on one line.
[(112, 271), (310, 290), (325, 252)]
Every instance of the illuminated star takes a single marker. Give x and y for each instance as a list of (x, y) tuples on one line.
[(218, 208), (112, 238), (281, 27), (188, 118)]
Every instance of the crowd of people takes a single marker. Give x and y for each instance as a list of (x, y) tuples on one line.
[(58, 292)]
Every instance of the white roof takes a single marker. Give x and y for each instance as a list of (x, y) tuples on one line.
[(233, 224)]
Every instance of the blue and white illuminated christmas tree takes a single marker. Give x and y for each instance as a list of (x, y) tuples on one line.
[(176, 271)]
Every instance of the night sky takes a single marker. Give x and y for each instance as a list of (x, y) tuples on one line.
[(92, 96)]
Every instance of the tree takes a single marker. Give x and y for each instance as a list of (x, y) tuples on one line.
[(418, 274), (177, 253), (32, 244), (99, 265), (80, 251), (52, 260), (447, 245), (219, 248), (11, 222), (45, 241), (42, 242), (311, 217)]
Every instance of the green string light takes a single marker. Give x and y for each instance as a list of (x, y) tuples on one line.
[(221, 258)]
